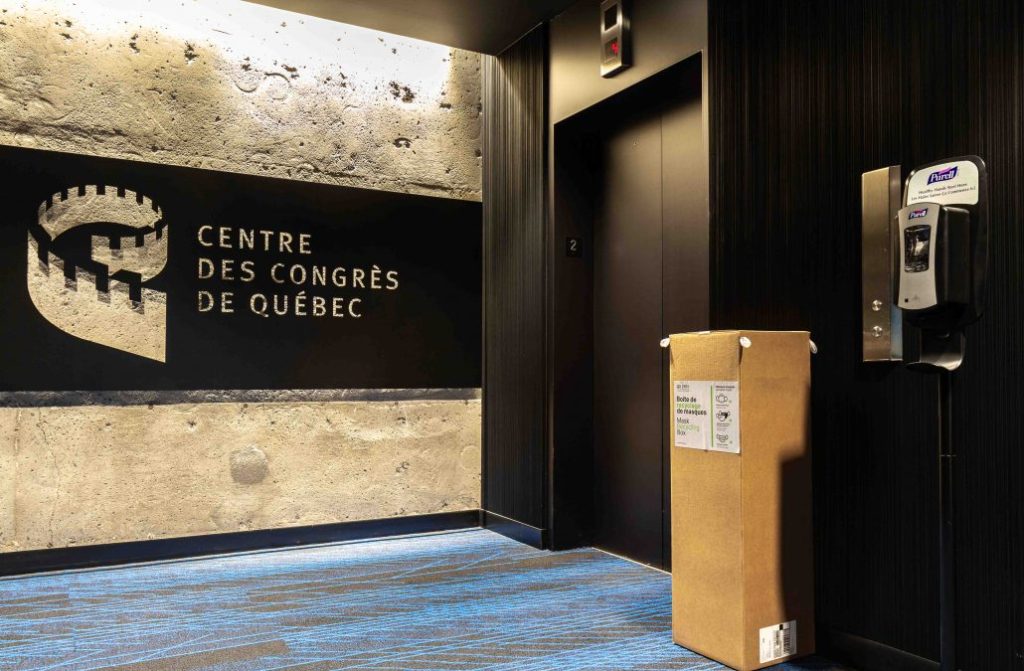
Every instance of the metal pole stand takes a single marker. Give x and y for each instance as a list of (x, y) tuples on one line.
[(947, 550), (943, 353)]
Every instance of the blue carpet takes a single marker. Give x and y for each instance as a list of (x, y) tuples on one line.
[(462, 601)]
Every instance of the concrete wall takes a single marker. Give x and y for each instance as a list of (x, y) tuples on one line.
[(239, 87), (97, 474)]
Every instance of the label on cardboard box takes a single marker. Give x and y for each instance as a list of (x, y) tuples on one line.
[(778, 641), (707, 415)]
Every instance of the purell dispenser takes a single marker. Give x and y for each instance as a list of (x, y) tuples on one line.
[(941, 256)]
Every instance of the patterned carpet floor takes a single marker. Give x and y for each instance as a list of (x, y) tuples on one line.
[(464, 601)]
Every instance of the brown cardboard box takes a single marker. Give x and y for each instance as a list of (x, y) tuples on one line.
[(742, 556)]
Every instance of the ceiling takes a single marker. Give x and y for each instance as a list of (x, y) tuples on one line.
[(487, 26)]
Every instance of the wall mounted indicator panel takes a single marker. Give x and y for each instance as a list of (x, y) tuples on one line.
[(615, 38)]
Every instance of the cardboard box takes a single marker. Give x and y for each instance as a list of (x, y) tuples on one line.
[(742, 554)]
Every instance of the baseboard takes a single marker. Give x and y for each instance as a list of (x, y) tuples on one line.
[(59, 559), (519, 531), (867, 655)]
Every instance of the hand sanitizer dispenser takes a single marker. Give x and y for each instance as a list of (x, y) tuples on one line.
[(941, 255), (934, 263)]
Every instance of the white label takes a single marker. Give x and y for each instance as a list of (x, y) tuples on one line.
[(707, 415), (954, 183), (778, 641)]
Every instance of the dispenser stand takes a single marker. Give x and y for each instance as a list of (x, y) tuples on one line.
[(947, 549)]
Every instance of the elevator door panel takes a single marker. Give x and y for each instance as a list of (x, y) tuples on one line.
[(627, 327)]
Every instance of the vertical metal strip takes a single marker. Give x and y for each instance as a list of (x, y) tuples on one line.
[(882, 323)]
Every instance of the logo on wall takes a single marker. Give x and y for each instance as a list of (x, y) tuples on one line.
[(182, 278), (943, 175), (90, 252)]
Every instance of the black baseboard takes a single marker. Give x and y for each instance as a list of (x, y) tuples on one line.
[(59, 559), (519, 531), (867, 655)]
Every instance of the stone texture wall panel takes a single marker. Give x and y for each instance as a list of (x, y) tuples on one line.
[(102, 474), (243, 88), (9, 421)]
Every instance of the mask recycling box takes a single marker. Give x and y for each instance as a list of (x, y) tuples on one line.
[(742, 553)]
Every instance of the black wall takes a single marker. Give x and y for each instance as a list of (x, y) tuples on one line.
[(398, 307), (514, 210), (805, 96)]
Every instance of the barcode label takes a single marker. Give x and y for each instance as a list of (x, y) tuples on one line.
[(778, 641)]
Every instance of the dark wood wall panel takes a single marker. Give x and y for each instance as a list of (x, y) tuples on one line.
[(805, 96), (990, 391), (514, 156)]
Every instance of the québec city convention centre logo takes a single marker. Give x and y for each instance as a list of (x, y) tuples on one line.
[(93, 286)]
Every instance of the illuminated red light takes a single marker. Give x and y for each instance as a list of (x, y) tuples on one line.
[(615, 47)]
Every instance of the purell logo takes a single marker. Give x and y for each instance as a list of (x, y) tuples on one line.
[(943, 175), (919, 214)]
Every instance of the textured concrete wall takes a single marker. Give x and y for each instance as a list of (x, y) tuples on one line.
[(233, 86), (96, 474), (8, 484)]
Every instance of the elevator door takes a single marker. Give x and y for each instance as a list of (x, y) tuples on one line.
[(649, 280), (627, 327)]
